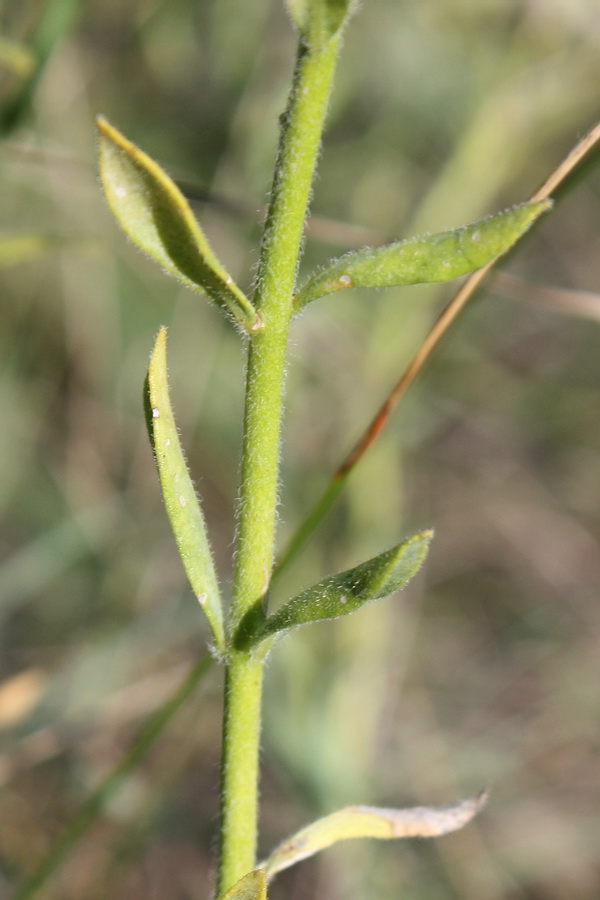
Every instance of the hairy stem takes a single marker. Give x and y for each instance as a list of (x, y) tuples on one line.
[(301, 131)]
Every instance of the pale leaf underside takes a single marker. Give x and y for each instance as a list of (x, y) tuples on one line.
[(372, 822)]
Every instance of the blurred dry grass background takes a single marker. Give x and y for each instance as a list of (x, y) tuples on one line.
[(487, 669)]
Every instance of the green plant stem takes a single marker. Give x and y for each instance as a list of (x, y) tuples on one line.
[(302, 127)]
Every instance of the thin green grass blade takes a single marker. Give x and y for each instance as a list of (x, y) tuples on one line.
[(50, 23), (372, 822), (433, 258), (153, 212), (181, 502), (108, 787)]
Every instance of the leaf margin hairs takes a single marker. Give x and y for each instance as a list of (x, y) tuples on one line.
[(156, 216), (409, 261), (181, 501), (340, 594)]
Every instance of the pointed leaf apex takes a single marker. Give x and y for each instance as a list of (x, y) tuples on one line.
[(153, 212), (427, 259), (341, 594), (373, 822)]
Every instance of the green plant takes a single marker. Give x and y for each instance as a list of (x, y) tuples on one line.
[(156, 216)]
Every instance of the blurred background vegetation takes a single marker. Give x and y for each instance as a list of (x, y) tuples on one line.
[(486, 670)]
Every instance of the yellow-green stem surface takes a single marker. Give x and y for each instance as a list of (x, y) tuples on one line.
[(302, 127)]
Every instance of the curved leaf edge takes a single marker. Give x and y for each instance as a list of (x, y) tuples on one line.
[(181, 501), (217, 284), (336, 595), (336, 274), (373, 822)]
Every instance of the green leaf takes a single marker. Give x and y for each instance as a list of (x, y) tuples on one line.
[(252, 886), (372, 822), (435, 257), (153, 212), (346, 592), (181, 502), (320, 20)]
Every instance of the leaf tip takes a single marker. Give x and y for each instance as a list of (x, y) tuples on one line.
[(158, 354), (161, 337), (480, 799), (108, 132), (106, 127)]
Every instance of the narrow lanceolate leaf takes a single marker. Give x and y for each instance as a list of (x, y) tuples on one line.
[(252, 886), (320, 20), (346, 592), (435, 257), (183, 508), (153, 212), (372, 822)]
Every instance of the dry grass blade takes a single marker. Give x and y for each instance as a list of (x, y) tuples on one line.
[(584, 304), (432, 339), (451, 311)]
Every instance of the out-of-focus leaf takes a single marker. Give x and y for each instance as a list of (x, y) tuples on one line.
[(434, 257), (372, 822), (320, 20), (47, 24), (347, 591), (156, 216), (252, 886), (183, 508), (21, 248), (16, 57)]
